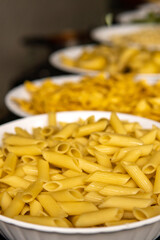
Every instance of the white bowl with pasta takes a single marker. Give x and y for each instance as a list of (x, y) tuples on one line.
[(13, 227)]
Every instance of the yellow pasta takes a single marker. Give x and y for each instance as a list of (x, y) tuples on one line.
[(98, 217), (77, 208), (126, 203), (51, 206), (89, 173), (32, 191), (108, 177), (10, 163), (138, 176)]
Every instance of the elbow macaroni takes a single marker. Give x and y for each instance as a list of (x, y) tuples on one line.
[(84, 174)]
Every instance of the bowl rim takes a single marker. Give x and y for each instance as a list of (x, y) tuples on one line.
[(82, 231)]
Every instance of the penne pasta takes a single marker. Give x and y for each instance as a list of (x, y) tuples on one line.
[(138, 176), (99, 217)]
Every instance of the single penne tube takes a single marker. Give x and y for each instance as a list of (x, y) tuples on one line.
[(145, 213), (103, 159), (106, 149), (71, 173), (66, 132), (144, 195), (43, 170), (67, 195), (21, 141), (119, 155), (35, 208), (61, 160), (121, 222), (90, 167), (116, 124), (156, 185), (138, 176), (10, 163), (91, 127), (5, 200), (94, 197), (32, 191), (15, 181), (126, 203), (149, 137), (15, 206), (119, 140), (94, 186), (51, 206), (77, 208), (25, 150), (65, 183), (152, 164), (108, 177), (96, 218), (113, 190), (40, 220)]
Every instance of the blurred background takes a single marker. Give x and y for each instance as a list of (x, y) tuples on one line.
[(31, 30)]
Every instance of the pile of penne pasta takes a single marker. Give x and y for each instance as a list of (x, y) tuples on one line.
[(81, 174), (120, 93)]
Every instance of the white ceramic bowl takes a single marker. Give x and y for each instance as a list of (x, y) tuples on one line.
[(16, 230)]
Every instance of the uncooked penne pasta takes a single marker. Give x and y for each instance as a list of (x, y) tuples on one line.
[(10, 163), (91, 127), (32, 191), (144, 213), (67, 195), (99, 217), (117, 124), (65, 183), (88, 173), (108, 177), (61, 160), (15, 181), (113, 190), (5, 200), (51, 206), (118, 140), (152, 164), (156, 185), (149, 137), (77, 208), (15, 206), (126, 203), (138, 176), (43, 170), (90, 167)]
